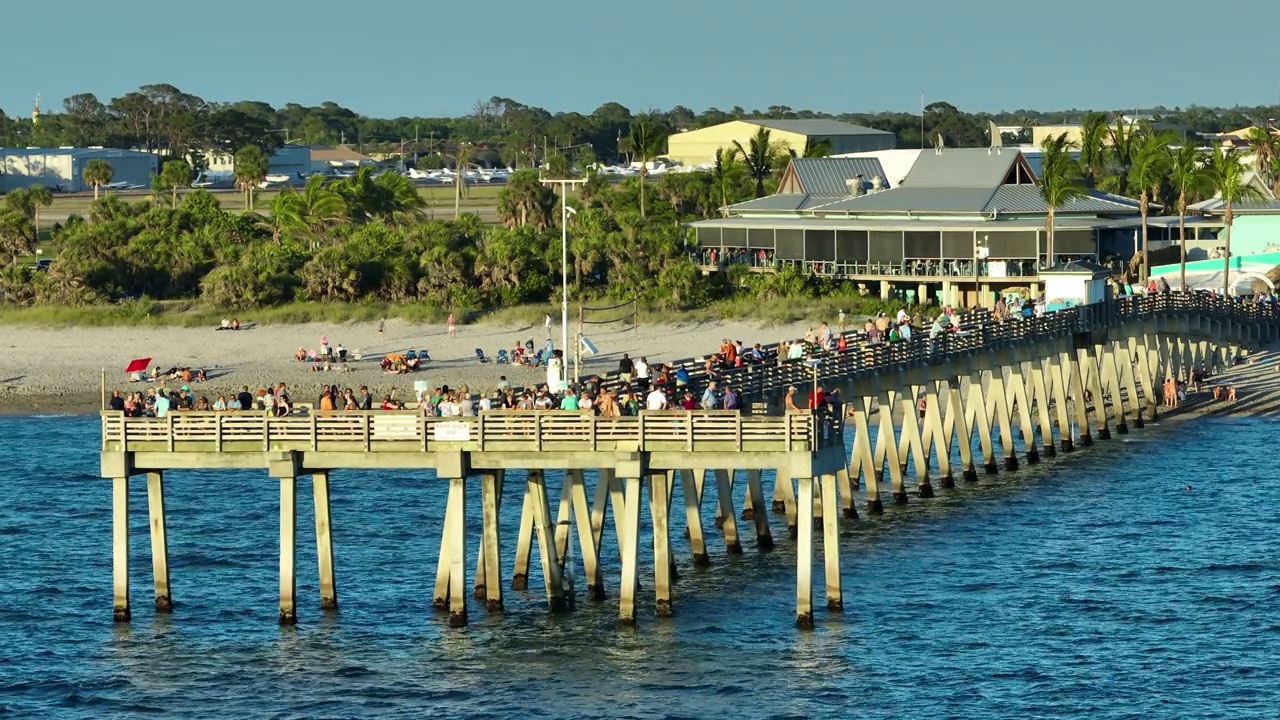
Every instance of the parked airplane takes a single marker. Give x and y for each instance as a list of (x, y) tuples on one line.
[(214, 180)]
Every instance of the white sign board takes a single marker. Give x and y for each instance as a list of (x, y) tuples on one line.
[(997, 268), (452, 431)]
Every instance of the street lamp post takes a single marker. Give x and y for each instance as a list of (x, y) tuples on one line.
[(565, 184)]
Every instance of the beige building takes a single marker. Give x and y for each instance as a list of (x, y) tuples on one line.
[(698, 147)]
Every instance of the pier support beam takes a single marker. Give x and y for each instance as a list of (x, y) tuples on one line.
[(804, 556), (120, 549), (1060, 404), (586, 536), (1081, 407), (288, 550), (764, 540), (630, 543), (546, 530), (831, 546), (524, 541), (324, 541), (456, 529), (489, 573), (724, 493), (159, 541), (659, 506), (691, 488)]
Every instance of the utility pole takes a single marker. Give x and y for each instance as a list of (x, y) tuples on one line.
[(565, 184)]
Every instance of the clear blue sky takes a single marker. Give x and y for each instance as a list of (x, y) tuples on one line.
[(431, 57)]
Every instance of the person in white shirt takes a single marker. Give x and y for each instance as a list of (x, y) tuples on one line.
[(547, 323), (486, 404), (466, 407), (903, 317), (642, 371), (656, 400)]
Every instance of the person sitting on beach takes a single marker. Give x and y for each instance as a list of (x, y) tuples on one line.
[(1231, 393), (226, 324), (154, 374), (235, 323), (301, 355)]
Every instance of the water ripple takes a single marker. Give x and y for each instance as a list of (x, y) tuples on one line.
[(1088, 588)]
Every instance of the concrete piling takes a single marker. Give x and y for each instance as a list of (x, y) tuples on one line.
[(120, 549), (159, 541), (288, 550), (324, 541), (804, 556)]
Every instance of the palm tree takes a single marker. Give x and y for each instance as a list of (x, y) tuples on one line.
[(1060, 180), (174, 175), (1124, 141), (1230, 181), (250, 167), (726, 171), (760, 158), (1151, 160), (323, 206), (1266, 149), (288, 214), (647, 140), (1093, 147), (1190, 178), (819, 149), (461, 159), (98, 173)]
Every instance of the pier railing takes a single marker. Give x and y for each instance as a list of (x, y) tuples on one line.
[(400, 431), (976, 330)]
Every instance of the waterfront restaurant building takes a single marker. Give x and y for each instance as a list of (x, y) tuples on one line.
[(936, 224)]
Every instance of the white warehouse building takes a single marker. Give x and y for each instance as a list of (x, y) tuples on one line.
[(62, 169)]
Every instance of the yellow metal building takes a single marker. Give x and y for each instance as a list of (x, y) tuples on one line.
[(698, 147)]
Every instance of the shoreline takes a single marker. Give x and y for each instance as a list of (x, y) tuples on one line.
[(58, 371)]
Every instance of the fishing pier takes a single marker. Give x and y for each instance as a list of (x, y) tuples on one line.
[(1052, 384)]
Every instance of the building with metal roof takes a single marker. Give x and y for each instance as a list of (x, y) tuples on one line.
[(62, 169), (698, 147), (1255, 227), (955, 215)]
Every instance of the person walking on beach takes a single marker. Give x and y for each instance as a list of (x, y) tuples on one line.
[(844, 325), (546, 321), (382, 326), (453, 329)]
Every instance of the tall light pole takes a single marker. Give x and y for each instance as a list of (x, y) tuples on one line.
[(565, 184)]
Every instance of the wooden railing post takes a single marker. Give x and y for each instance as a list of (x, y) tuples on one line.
[(170, 416)]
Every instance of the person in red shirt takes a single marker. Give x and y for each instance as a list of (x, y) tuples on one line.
[(816, 399)]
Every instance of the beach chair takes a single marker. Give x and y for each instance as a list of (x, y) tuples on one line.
[(411, 355), (502, 358), (424, 356), (481, 356)]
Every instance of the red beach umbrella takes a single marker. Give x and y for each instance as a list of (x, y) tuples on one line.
[(138, 365)]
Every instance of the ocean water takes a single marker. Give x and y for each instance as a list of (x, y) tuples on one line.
[(1093, 586)]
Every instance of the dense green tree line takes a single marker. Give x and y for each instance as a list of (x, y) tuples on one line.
[(502, 131), (367, 238)]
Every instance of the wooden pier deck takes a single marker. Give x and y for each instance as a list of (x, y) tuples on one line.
[(1053, 383)]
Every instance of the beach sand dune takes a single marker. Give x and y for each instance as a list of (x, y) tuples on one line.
[(59, 370)]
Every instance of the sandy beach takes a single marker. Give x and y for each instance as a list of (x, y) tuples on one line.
[(59, 370)]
